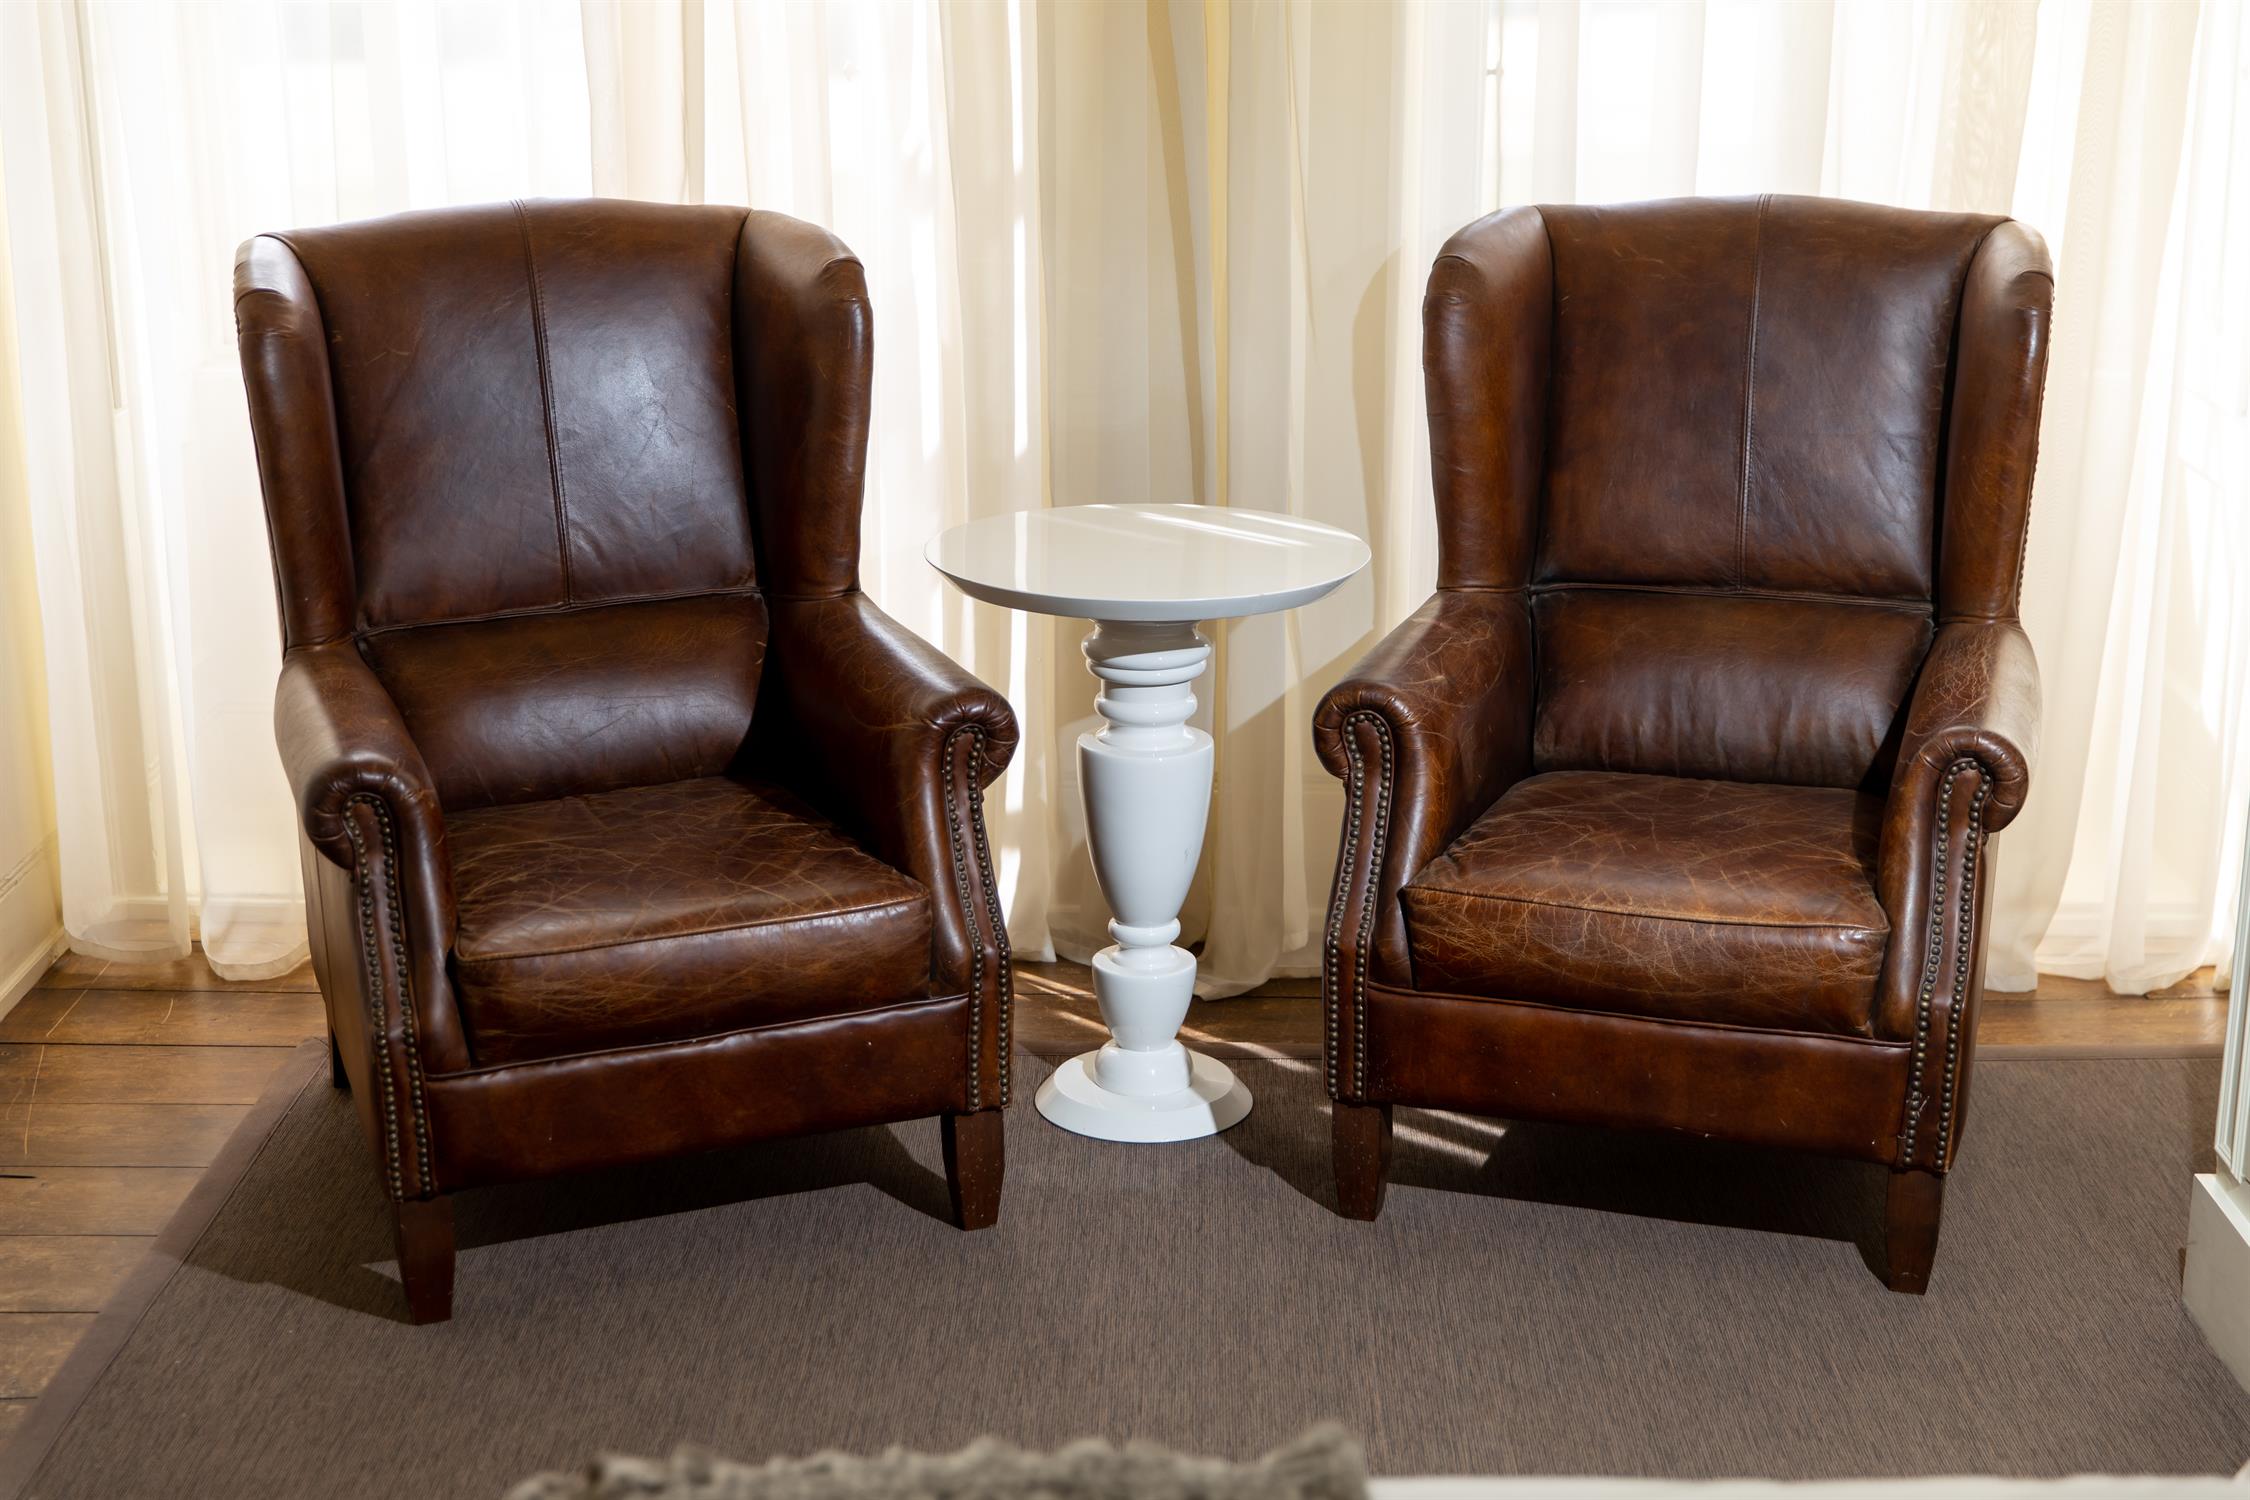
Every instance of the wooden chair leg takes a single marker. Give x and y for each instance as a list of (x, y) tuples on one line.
[(1910, 1230), (336, 1074), (425, 1256), (1363, 1158), (975, 1161)]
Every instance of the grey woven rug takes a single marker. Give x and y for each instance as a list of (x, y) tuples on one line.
[(1533, 1300)]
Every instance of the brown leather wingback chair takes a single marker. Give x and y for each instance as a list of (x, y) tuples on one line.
[(1669, 809), (632, 828)]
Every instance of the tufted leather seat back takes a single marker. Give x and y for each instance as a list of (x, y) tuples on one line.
[(1734, 565), (534, 519)]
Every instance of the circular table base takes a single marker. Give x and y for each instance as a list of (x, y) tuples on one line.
[(1213, 1100)]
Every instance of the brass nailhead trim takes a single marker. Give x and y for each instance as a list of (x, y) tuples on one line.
[(983, 857), (417, 1105), (1355, 816), (1933, 952), (1973, 848), (1006, 1017), (371, 954)]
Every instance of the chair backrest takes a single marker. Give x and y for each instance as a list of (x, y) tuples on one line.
[(501, 451), (1753, 451)]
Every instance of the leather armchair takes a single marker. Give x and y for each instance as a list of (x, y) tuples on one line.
[(631, 826), (1670, 809)]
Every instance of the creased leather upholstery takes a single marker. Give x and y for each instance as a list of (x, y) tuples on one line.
[(536, 706), (631, 827), (1707, 684), (662, 913), (1669, 809), (1661, 896)]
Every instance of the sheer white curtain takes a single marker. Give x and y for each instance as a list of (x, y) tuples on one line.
[(1299, 164), (1161, 251), (143, 142)]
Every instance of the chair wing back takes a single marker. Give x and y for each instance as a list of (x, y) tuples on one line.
[(501, 452), (1760, 483)]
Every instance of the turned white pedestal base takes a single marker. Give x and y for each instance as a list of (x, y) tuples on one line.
[(1146, 779), (1147, 573), (1213, 1100)]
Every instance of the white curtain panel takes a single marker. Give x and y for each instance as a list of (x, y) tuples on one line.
[(1131, 252)]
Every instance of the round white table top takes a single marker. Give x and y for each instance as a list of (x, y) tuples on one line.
[(1146, 562)]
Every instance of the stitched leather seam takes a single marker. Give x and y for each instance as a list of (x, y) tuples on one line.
[(1857, 1039), (1845, 928), (547, 398), (716, 1036), (1750, 394), (462, 953), (417, 1106), (568, 607), (1895, 603), (969, 916)]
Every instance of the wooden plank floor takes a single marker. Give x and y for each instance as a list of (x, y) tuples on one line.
[(118, 1084)]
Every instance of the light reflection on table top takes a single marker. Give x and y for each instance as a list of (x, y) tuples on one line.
[(1147, 562)]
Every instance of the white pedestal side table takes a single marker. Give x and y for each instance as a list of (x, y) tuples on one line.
[(1145, 574)]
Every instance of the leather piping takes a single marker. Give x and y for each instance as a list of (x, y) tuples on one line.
[(1913, 604), (530, 1063), (1514, 1002), (1655, 916), (566, 607), (824, 915)]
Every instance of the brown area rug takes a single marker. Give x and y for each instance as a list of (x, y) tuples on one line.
[(1534, 1299)]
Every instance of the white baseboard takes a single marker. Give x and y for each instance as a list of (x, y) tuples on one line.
[(2216, 1287), (26, 974)]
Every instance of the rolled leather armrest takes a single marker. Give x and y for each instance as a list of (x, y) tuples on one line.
[(1976, 700), (1438, 716), (1964, 768), (884, 733), (864, 706), (342, 740), (369, 807)]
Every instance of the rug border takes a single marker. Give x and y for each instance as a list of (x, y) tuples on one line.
[(26, 1453)]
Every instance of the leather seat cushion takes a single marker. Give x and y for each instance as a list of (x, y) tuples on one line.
[(1716, 901), (661, 913)]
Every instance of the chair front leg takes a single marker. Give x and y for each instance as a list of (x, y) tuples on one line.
[(1911, 1214), (1362, 1141), (424, 1229), (975, 1161)]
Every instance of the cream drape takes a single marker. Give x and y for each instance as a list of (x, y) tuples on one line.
[(1125, 252), (1353, 138)]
